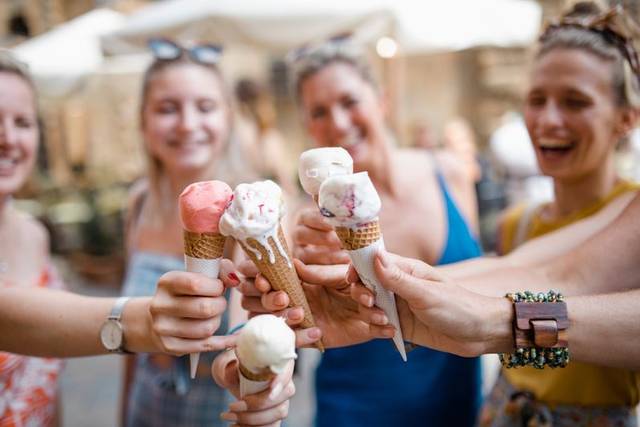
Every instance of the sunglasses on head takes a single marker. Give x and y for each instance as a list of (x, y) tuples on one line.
[(306, 50), (167, 50)]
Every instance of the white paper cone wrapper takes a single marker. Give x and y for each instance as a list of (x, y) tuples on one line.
[(362, 260), (248, 386), (209, 268)]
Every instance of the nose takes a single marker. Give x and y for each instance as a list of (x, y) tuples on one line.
[(189, 119), (550, 116), (340, 121), (8, 135)]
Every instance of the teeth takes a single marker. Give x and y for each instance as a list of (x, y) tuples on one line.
[(554, 143), (7, 163)]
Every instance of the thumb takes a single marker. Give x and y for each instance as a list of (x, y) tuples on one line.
[(412, 289)]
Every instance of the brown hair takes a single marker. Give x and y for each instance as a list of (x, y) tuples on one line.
[(608, 35), (342, 50)]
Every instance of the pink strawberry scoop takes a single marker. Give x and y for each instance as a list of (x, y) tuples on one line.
[(202, 204)]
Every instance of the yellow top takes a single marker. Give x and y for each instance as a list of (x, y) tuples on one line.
[(578, 383)]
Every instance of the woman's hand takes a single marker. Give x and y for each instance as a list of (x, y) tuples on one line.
[(327, 291), (435, 312), (185, 312), (266, 408), (315, 241)]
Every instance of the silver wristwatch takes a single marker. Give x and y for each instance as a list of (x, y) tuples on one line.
[(112, 332)]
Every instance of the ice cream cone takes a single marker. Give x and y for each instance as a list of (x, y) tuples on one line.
[(281, 274), (202, 254), (251, 382), (357, 238)]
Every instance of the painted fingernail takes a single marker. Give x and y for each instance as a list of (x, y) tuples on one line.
[(277, 389), (233, 277), (379, 319), (238, 406), (229, 416), (366, 300)]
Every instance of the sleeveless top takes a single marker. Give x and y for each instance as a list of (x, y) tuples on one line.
[(29, 385), (369, 384), (579, 383), (168, 397)]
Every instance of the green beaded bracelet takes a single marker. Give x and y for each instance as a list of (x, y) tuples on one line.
[(538, 357)]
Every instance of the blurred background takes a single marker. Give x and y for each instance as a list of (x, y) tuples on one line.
[(454, 72)]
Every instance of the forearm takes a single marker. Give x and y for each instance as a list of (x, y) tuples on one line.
[(600, 323), (42, 322)]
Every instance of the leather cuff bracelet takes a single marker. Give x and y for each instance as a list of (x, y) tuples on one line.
[(540, 325)]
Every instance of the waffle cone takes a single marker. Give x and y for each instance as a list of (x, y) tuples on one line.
[(357, 238), (282, 275), (203, 245)]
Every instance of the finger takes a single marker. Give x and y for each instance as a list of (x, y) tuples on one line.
[(311, 254), (303, 235), (411, 266), (259, 418), (373, 316), (188, 306), (331, 276), (312, 218), (185, 283), (185, 328), (248, 288), (275, 301), (376, 331), (307, 337), (224, 371), (253, 305), (362, 295), (248, 268), (181, 346), (417, 292), (229, 275), (262, 284)]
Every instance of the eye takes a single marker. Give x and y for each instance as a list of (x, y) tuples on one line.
[(24, 122), (575, 103), (318, 112), (349, 102), (166, 108), (207, 105), (536, 100)]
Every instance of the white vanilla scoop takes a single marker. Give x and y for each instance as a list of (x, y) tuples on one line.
[(255, 212), (318, 164), (266, 342), (349, 200)]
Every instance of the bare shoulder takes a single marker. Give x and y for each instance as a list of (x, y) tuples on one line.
[(33, 231), (415, 160), (136, 191), (451, 167)]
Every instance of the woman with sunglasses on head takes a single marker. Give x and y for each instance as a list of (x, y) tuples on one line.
[(186, 126), (369, 384)]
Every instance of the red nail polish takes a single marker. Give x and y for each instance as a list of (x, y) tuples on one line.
[(234, 277)]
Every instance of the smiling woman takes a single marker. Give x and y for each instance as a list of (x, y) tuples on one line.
[(581, 102)]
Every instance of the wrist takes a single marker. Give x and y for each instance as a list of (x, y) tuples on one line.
[(498, 331), (137, 326)]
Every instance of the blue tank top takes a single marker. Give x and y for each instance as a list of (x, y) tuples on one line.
[(369, 384), (169, 396)]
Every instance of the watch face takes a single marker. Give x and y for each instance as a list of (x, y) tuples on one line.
[(111, 335)]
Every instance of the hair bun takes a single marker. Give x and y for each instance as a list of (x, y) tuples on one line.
[(583, 9)]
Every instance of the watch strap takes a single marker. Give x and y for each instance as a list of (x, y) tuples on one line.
[(118, 308)]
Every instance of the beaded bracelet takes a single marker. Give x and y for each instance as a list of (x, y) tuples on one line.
[(539, 318)]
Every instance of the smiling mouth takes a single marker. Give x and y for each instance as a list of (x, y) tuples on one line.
[(554, 146), (7, 166)]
